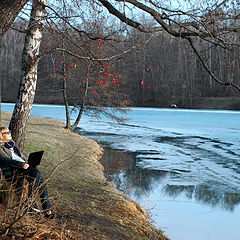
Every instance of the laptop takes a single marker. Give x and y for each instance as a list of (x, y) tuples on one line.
[(35, 158)]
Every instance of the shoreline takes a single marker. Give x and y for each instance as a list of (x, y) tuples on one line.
[(93, 207), (203, 108)]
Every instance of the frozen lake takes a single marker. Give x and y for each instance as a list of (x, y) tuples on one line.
[(181, 165)]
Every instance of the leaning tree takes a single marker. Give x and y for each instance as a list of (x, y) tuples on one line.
[(8, 12)]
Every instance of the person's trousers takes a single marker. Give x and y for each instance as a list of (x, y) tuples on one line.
[(37, 186)]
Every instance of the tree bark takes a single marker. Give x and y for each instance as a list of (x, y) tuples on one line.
[(81, 110), (9, 9), (28, 82), (65, 99)]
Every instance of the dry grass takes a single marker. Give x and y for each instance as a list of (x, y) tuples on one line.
[(88, 207)]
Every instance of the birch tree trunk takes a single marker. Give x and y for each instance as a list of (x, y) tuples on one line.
[(28, 81), (9, 9)]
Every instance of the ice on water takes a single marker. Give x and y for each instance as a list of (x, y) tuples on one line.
[(200, 145)]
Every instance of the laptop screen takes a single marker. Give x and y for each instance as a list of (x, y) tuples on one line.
[(34, 158)]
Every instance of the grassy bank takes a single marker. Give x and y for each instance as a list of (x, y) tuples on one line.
[(88, 207)]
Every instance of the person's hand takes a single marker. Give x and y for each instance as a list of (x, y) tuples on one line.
[(25, 166)]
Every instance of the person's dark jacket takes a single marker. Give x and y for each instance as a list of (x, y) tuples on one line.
[(7, 164)]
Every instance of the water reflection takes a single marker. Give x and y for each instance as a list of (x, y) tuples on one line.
[(120, 168), (202, 194)]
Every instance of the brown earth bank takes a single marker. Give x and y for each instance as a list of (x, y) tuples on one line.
[(87, 206)]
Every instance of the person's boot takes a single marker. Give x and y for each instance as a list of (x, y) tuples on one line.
[(35, 208)]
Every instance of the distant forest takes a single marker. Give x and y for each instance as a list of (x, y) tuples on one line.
[(160, 73)]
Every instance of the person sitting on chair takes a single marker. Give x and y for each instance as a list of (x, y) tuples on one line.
[(15, 167)]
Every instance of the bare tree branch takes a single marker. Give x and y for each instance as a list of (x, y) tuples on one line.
[(208, 69), (100, 59)]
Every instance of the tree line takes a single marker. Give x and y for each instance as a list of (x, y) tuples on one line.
[(162, 71)]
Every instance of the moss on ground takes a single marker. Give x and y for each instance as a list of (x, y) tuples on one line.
[(88, 207)]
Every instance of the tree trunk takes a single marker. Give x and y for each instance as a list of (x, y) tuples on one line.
[(66, 100), (73, 126), (28, 82), (9, 9), (77, 120)]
